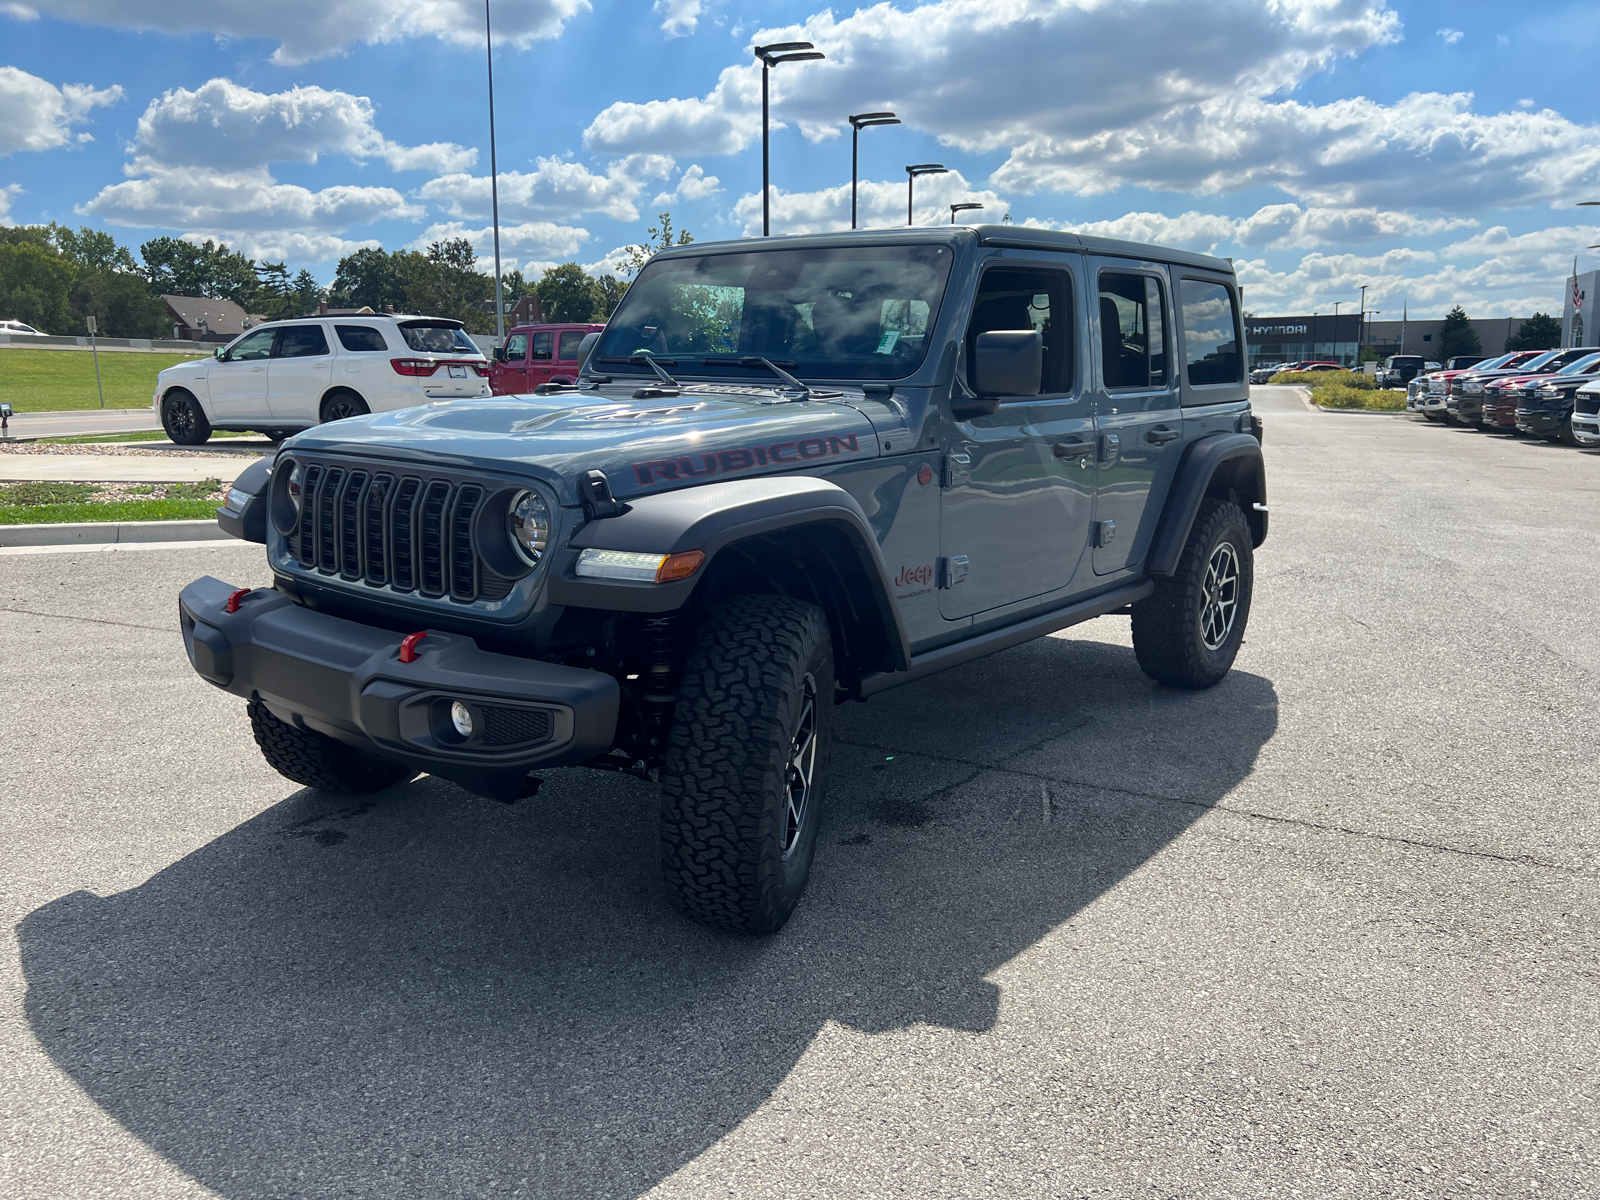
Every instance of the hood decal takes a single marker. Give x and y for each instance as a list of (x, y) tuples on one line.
[(745, 458)]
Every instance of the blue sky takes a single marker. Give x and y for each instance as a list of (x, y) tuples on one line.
[(1435, 151)]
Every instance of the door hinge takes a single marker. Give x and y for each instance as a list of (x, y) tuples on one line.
[(952, 570), (1110, 447), (956, 469), (1104, 532)]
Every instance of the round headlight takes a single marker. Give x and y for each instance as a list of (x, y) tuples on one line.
[(528, 523), (296, 478)]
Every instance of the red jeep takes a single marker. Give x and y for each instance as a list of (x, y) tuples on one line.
[(535, 354)]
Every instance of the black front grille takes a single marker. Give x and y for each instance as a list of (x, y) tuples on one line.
[(507, 726), (392, 530), (1588, 404)]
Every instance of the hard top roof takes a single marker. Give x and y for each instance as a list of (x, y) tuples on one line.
[(1021, 236)]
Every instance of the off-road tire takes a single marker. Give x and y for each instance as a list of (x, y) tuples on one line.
[(184, 419), (336, 406), (319, 761), (725, 780), (1167, 637), (1436, 417)]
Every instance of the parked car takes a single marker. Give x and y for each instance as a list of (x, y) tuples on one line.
[(1586, 415), (1465, 402), (1400, 369), (1503, 397), (889, 454), (1461, 362), (19, 329), (285, 376), (1442, 385), (538, 354), (1265, 372), (1545, 407)]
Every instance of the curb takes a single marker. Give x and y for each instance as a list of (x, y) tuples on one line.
[(85, 533)]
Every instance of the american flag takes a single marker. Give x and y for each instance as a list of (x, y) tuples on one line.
[(1577, 296)]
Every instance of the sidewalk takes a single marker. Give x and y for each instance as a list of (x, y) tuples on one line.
[(30, 425), (121, 468)]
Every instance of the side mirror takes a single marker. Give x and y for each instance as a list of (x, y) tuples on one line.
[(586, 348), (500, 354), (1006, 362), (220, 354)]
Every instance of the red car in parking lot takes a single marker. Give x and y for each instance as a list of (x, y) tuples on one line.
[(536, 354)]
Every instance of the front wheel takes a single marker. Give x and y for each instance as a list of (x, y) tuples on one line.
[(1567, 435), (746, 763), (1188, 633), (184, 419)]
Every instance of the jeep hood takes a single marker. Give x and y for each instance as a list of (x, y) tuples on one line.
[(648, 444)]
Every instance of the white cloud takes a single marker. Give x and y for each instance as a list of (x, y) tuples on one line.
[(693, 184), (38, 115), (1451, 36), (542, 239), (554, 188), (879, 204), (678, 17), (1274, 227), (310, 29), (225, 126), (19, 12), (8, 196)]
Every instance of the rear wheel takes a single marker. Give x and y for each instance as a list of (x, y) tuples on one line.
[(184, 419), (339, 405), (746, 763), (1188, 633), (319, 761)]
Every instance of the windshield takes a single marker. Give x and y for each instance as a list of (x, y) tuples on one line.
[(1406, 362), (859, 312), (432, 338), (1582, 367)]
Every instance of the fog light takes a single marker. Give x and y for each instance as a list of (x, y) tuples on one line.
[(461, 718)]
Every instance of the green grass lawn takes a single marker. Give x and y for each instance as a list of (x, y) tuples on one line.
[(52, 503), (53, 380), (124, 510)]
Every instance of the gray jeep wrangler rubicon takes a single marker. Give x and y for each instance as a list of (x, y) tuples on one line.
[(793, 472)]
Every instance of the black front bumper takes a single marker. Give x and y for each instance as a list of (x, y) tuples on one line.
[(1543, 421), (346, 680)]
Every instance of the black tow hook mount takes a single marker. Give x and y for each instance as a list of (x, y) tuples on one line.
[(594, 491)]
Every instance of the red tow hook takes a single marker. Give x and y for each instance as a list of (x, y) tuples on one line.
[(233, 600), (408, 646)]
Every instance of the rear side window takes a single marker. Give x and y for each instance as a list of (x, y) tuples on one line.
[(541, 347), (1210, 333), (301, 341), (1132, 334), (567, 347), (361, 339), (437, 339), (1028, 298), (516, 347)]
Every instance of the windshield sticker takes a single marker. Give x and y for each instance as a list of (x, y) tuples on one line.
[(887, 342), (722, 462)]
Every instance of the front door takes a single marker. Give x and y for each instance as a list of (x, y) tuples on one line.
[(1139, 420), (1019, 483), (302, 365), (237, 385), (510, 375)]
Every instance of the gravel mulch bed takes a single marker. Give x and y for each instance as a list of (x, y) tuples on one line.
[(109, 449)]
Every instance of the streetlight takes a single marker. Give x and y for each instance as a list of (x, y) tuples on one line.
[(771, 56), (955, 208), (494, 185), (857, 123), (912, 172)]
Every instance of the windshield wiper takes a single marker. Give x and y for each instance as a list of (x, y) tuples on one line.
[(640, 360), (755, 360)]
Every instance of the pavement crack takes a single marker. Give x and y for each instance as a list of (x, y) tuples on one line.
[(29, 612)]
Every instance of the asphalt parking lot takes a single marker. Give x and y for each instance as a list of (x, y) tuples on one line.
[(1326, 930)]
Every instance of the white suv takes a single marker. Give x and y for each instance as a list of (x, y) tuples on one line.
[(282, 377)]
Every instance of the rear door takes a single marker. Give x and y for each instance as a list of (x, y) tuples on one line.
[(302, 365), (1019, 483), (1138, 416), (541, 358), (238, 384)]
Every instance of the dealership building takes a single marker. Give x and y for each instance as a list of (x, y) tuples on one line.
[(1326, 338)]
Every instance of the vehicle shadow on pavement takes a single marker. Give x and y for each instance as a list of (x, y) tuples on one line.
[(425, 994)]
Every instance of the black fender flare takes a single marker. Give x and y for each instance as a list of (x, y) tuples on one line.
[(713, 517), (1233, 459)]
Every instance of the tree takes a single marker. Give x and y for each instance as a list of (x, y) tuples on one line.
[(1539, 332), (611, 291), (1456, 336), (92, 250), (273, 298), (446, 282), (567, 293), (121, 304), (657, 238), (366, 279), (35, 283), (175, 267), (308, 293)]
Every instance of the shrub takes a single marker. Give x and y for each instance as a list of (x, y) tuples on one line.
[(1316, 379), (1338, 395)]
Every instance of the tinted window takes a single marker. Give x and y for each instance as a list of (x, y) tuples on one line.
[(301, 341), (541, 346), (428, 338), (567, 348), (361, 338), (1026, 298), (1582, 367), (516, 347), (1210, 333), (253, 346), (860, 312), (1132, 334)]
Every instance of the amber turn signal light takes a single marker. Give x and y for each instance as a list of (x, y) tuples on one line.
[(679, 566)]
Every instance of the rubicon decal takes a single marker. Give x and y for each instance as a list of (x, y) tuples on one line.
[(723, 462)]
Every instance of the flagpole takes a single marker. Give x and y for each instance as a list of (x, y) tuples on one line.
[(1405, 310)]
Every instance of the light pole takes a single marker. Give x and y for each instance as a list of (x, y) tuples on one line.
[(494, 186), (912, 172), (771, 56), (857, 123), (1361, 326), (955, 208)]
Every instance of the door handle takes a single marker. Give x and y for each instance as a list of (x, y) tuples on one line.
[(1073, 449), (1161, 434)]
